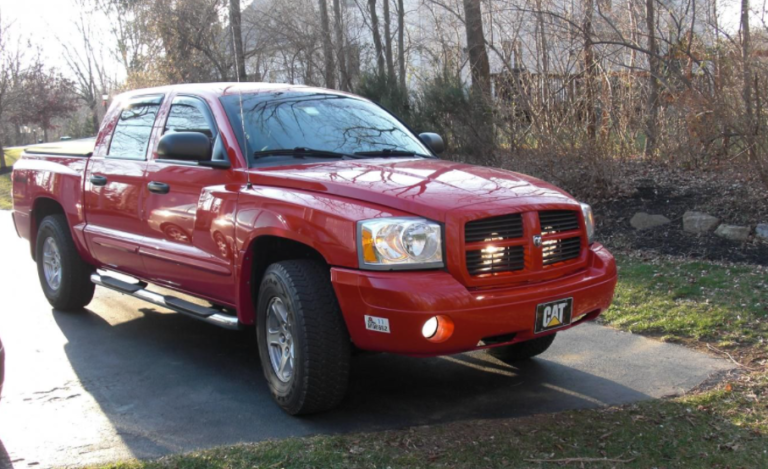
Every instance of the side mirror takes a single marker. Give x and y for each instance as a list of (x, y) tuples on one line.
[(184, 146), (433, 141)]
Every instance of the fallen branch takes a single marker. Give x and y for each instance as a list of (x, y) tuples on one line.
[(723, 352), (570, 460)]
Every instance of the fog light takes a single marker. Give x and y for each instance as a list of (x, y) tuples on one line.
[(437, 329), (429, 329)]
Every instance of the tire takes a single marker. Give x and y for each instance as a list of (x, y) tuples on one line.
[(522, 350), (73, 289), (316, 379)]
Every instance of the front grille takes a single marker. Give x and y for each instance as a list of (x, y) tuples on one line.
[(496, 260), (557, 221), (496, 228), (560, 250)]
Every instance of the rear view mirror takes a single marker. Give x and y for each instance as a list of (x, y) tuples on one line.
[(185, 146), (433, 141)]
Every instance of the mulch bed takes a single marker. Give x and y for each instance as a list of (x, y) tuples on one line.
[(734, 195), (728, 195)]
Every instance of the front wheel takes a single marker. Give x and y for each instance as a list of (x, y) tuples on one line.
[(63, 274), (522, 350), (303, 342)]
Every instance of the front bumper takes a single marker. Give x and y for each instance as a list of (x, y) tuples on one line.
[(408, 299)]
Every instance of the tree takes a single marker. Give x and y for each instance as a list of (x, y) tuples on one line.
[(378, 47), (590, 71), (478, 56), (85, 60), (388, 43), (651, 134), (237, 38), (341, 49), (401, 43), (47, 96), (327, 45), (11, 57)]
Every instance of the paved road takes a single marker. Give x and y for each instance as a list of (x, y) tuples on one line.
[(124, 379)]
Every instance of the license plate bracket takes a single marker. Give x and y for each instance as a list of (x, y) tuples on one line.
[(553, 315)]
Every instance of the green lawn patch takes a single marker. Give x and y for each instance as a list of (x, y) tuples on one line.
[(5, 192), (690, 301), (11, 155)]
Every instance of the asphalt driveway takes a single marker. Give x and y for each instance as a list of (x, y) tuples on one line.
[(126, 379)]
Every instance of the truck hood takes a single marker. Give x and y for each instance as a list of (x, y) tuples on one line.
[(425, 187)]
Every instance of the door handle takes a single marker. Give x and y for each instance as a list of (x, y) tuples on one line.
[(98, 180), (158, 187)]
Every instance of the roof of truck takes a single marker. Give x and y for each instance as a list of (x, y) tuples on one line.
[(227, 88)]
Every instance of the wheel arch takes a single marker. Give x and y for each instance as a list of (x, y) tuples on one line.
[(41, 208), (261, 252)]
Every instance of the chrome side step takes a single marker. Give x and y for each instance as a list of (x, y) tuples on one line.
[(138, 290)]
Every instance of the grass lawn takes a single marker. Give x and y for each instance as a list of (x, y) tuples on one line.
[(696, 303), (11, 155)]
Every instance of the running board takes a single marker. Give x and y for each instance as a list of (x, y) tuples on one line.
[(138, 290)]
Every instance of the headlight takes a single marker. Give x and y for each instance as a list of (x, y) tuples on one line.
[(399, 243), (589, 221)]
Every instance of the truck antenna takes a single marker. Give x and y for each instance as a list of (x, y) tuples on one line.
[(248, 184)]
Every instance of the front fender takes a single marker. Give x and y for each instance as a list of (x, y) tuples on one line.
[(323, 222)]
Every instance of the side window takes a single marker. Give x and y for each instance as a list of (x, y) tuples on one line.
[(133, 129), (189, 115)]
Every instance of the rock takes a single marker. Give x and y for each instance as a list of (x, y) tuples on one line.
[(762, 231), (644, 221), (733, 232), (698, 222)]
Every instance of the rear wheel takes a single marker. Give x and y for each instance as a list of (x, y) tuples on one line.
[(522, 350), (303, 342), (64, 276)]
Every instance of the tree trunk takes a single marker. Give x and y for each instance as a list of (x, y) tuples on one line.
[(652, 124), (327, 45), (401, 43), (95, 116), (388, 43), (590, 70), (3, 165), (747, 90), (237, 36), (344, 81), (376, 37), (478, 56), (544, 65)]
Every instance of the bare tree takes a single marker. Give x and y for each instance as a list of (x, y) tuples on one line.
[(11, 57), (85, 60), (478, 56), (379, 48), (341, 49), (235, 20), (401, 43), (651, 133), (330, 81), (388, 42), (590, 70)]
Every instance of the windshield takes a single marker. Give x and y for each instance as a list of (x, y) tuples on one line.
[(284, 120)]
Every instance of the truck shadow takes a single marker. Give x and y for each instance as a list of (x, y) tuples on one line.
[(188, 385)]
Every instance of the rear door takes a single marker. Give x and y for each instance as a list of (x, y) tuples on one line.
[(189, 225), (114, 185)]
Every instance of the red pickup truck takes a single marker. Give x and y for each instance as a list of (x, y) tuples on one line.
[(319, 218)]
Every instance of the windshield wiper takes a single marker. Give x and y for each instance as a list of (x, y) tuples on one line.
[(301, 152), (389, 152)]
